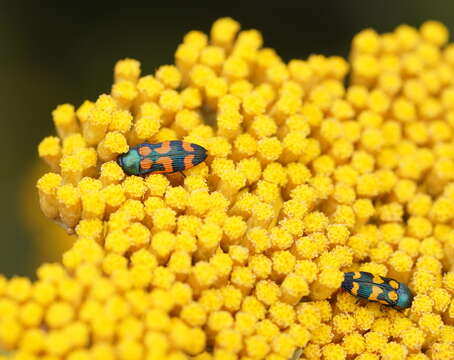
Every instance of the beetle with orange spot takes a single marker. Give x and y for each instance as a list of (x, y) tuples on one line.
[(376, 288), (161, 158)]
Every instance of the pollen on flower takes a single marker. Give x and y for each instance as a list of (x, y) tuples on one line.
[(50, 150), (448, 281), (401, 261), (254, 104), (127, 69), (113, 144), (223, 32), (243, 277), (240, 88), (170, 101), (260, 265), (169, 76), (156, 184), (83, 110), (64, 117), (232, 297), (149, 88), (124, 92), (419, 227), (253, 306), (293, 288), (191, 98), (282, 314), (97, 123), (269, 149), (263, 126), (59, 314)]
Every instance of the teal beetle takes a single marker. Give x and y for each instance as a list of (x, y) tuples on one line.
[(371, 287), (161, 158)]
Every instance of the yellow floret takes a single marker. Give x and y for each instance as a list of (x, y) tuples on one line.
[(223, 32), (365, 66), (391, 212), (257, 346), (375, 341), (47, 186), (441, 351), (311, 246), (394, 351), (127, 69), (282, 314), (124, 92), (19, 289), (344, 214), (112, 145), (65, 121), (243, 277), (337, 234), (59, 314), (367, 41), (260, 265), (149, 88), (423, 281), (170, 101), (419, 227), (191, 98), (334, 352), (169, 76), (253, 306), (401, 262), (241, 88), (434, 32), (31, 314), (97, 123), (194, 314), (239, 254), (83, 110), (263, 126), (331, 278), (203, 275), (448, 281), (50, 150), (293, 288)]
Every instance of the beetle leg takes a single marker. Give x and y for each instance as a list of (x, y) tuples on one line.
[(182, 173)]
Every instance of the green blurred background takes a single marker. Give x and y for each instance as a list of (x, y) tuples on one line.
[(52, 52)]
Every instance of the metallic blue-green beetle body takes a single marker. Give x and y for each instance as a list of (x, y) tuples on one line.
[(376, 288), (161, 158)]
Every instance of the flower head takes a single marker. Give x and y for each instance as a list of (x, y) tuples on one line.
[(306, 178)]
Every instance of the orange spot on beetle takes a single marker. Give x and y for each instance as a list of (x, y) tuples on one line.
[(378, 280), (164, 148), (187, 146), (376, 290), (188, 161), (393, 295), (144, 150), (357, 275), (146, 163), (167, 163), (394, 284), (355, 288)]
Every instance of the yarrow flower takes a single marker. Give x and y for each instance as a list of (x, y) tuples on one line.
[(243, 258)]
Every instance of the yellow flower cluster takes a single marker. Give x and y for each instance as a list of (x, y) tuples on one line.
[(243, 258)]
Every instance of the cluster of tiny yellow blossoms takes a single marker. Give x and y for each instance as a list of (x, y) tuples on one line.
[(243, 258)]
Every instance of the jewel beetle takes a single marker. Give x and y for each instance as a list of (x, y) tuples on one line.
[(161, 158), (376, 288)]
